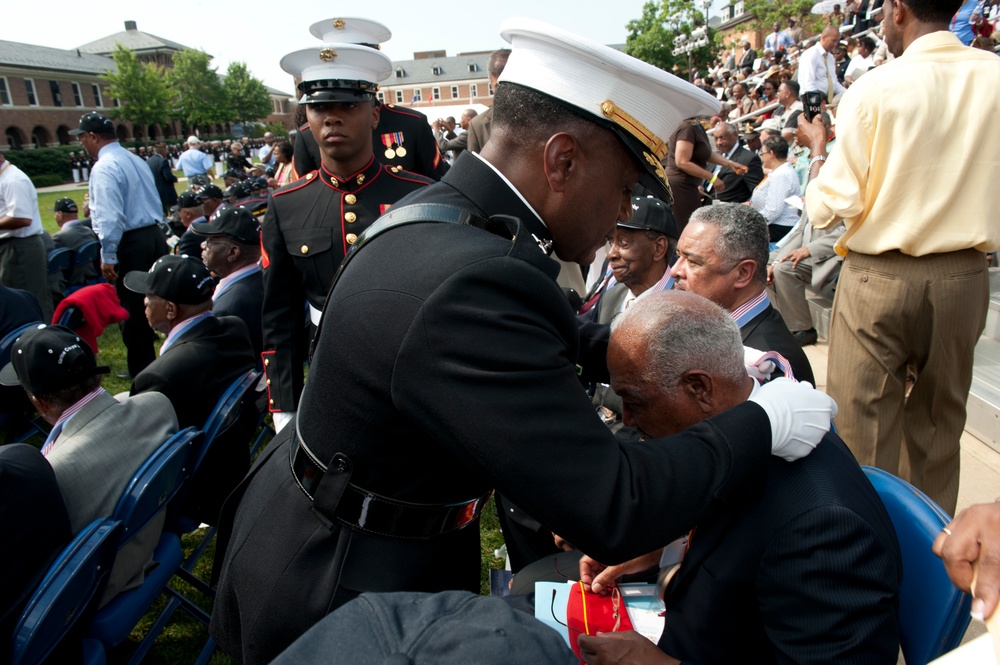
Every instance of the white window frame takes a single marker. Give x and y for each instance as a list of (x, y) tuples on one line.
[(32, 92), (5, 92), (473, 90), (399, 96), (98, 97), (77, 94), (381, 96), (436, 93), (454, 92), (418, 95)]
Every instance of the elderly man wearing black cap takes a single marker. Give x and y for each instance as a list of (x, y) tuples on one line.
[(200, 357), (448, 363), (126, 210), (402, 138), (190, 210), (97, 443), (311, 224), (74, 235), (230, 249), (211, 200)]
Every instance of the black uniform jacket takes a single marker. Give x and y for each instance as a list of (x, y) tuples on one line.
[(244, 299), (305, 234), (739, 188), (419, 154), (193, 374), (767, 332), (807, 573), (466, 381)]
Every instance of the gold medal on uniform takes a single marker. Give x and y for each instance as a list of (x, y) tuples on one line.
[(387, 142), (397, 139)]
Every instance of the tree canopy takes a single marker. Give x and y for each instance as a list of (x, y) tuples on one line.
[(651, 37), (247, 98), (141, 87), (199, 98)]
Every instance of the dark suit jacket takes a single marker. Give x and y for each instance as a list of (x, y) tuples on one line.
[(164, 179), (739, 188), (748, 59), (74, 237), (806, 573), (245, 299), (35, 527), (767, 332), (426, 416), (193, 374)]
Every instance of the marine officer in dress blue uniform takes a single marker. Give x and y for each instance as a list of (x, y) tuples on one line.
[(311, 223), (403, 137)]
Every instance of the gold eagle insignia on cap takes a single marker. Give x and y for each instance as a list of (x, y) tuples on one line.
[(655, 163), (327, 54), (339, 23), (627, 122)]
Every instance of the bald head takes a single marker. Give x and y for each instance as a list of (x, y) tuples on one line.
[(829, 38), (675, 359)]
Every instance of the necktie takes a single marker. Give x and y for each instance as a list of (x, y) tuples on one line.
[(829, 78)]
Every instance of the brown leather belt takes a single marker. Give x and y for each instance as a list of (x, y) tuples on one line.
[(372, 513)]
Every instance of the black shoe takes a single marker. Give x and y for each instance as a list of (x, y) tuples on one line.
[(805, 337)]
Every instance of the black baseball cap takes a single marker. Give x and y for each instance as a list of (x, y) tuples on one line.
[(65, 204), (49, 358), (236, 222), (652, 214), (233, 173), (188, 199), (93, 122), (210, 192), (181, 279), (200, 179)]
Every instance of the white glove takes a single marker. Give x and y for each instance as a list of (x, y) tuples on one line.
[(800, 415), (757, 369), (282, 418)]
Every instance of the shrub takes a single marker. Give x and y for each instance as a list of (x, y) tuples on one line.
[(43, 161), (47, 180)]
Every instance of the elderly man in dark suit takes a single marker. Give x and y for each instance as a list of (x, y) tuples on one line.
[(201, 357), (455, 362), (806, 571), (722, 256), (163, 176), (738, 187), (73, 234), (97, 443), (231, 252)]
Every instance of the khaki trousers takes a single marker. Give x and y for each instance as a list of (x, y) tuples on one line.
[(891, 312)]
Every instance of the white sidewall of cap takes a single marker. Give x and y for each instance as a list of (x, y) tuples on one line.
[(352, 62), (585, 74), (354, 31)]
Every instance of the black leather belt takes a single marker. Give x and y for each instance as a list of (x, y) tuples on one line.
[(372, 513)]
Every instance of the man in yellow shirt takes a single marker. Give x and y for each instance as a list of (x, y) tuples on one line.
[(917, 199)]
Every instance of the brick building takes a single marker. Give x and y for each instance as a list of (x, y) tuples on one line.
[(44, 91), (434, 79)]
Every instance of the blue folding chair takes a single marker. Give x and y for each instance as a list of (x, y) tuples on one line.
[(86, 254), (933, 613), (69, 590), (16, 406), (151, 491), (60, 260)]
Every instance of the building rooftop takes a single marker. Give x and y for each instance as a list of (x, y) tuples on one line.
[(133, 39), (16, 54), (430, 70)]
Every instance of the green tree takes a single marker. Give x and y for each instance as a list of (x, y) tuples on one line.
[(141, 88), (766, 12), (651, 38), (246, 97), (199, 98)]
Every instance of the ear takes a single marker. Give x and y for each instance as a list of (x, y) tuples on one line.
[(560, 155), (234, 253), (376, 113), (745, 271), (171, 310), (699, 388), (660, 246)]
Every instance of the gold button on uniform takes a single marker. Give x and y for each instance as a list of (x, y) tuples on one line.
[(271, 402), (351, 199), (304, 249), (269, 382), (350, 217), (267, 361), (351, 238)]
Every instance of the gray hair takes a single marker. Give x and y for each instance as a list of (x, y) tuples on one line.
[(684, 331), (742, 235)]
